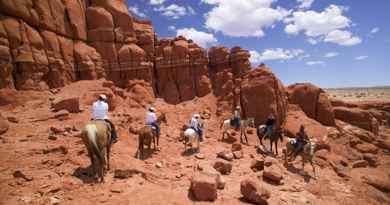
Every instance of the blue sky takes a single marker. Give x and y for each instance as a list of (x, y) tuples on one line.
[(331, 43)]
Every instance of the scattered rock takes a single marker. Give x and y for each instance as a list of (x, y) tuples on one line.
[(55, 200), (62, 115), (207, 169), (257, 165), (366, 148), (223, 167), (20, 174), (341, 170), (159, 165), (273, 174), (127, 173), (204, 187), (381, 183), (371, 159), (360, 164), (236, 147), (254, 193), (71, 104), (61, 149), (3, 125), (115, 190), (56, 130), (199, 156), (226, 155), (238, 155), (268, 161), (52, 137), (12, 119)]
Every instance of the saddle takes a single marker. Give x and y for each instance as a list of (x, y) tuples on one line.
[(102, 121)]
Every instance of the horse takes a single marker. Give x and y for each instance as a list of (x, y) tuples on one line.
[(147, 135), (244, 124), (276, 135), (307, 154), (189, 135), (96, 136)]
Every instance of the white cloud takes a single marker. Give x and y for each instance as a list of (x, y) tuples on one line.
[(136, 11), (323, 26), (312, 41), (316, 24), (191, 10), (343, 38), (201, 38), (305, 3), (313, 63), (156, 2), (243, 18), (375, 30), (361, 58), (172, 28), (175, 11), (274, 54), (331, 55)]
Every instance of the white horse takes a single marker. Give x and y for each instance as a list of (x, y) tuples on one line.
[(307, 154), (190, 135), (244, 124)]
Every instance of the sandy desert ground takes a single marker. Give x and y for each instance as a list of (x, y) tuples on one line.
[(360, 94)]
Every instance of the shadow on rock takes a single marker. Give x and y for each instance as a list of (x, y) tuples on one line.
[(291, 168), (147, 153), (85, 174)]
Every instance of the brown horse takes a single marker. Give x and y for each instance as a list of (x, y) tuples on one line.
[(146, 135), (276, 135), (96, 136)]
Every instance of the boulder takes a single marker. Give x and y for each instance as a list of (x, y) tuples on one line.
[(262, 94), (236, 147), (296, 117), (223, 167), (358, 117), (238, 155), (3, 125), (254, 193), (366, 148), (313, 101), (371, 159), (207, 169), (382, 183), (360, 164), (71, 104), (226, 155), (268, 161), (273, 174), (204, 187), (257, 165)]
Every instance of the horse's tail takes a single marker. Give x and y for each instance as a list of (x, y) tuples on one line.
[(92, 138), (258, 132)]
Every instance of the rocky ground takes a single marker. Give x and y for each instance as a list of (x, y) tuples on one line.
[(43, 160)]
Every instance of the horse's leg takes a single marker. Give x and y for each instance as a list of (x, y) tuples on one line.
[(246, 138), (198, 139), (276, 147), (103, 163), (108, 155), (270, 143), (91, 157)]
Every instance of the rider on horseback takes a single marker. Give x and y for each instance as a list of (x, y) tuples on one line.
[(269, 125), (301, 140), (99, 112), (151, 119), (196, 125), (236, 118)]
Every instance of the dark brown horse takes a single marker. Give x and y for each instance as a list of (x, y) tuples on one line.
[(274, 138), (147, 135), (96, 136)]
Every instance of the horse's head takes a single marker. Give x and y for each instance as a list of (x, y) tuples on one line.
[(162, 118)]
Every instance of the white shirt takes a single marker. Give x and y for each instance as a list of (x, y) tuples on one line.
[(194, 123), (150, 118), (237, 114), (99, 110)]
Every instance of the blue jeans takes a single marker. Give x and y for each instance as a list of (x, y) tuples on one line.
[(268, 131), (157, 127)]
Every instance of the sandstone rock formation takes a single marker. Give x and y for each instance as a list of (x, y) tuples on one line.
[(313, 101), (262, 94)]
